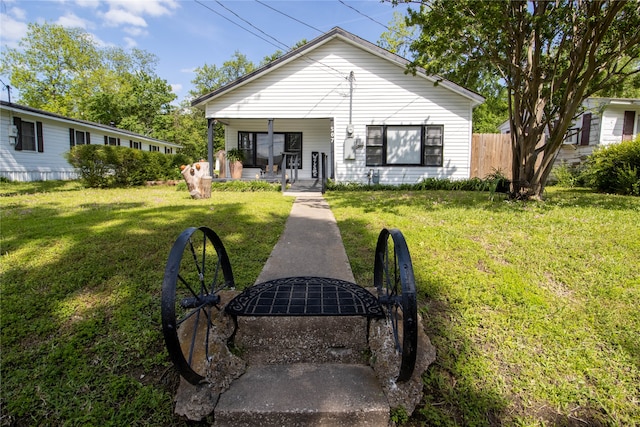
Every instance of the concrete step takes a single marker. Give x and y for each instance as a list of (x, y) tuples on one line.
[(306, 186), (304, 395), (285, 340)]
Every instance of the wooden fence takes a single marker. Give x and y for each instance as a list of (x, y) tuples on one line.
[(490, 152)]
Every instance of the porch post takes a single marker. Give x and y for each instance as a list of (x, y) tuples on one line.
[(210, 125), (270, 138)]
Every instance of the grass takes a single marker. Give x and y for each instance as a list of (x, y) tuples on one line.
[(532, 307), (81, 275)]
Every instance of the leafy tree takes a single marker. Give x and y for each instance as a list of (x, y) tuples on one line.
[(278, 53), (399, 36), (211, 77), (488, 116), (49, 64), (63, 71), (549, 55)]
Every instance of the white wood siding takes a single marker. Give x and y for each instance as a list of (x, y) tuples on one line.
[(612, 121), (29, 165), (317, 86), (26, 165)]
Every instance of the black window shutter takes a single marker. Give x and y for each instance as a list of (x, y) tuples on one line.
[(88, 139), (586, 129), (106, 140), (627, 125), (118, 142), (72, 138), (17, 121), (40, 137)]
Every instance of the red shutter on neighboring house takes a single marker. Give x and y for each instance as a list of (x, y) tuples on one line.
[(17, 122), (627, 125), (40, 137), (586, 129)]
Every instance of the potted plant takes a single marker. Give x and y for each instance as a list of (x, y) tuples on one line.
[(235, 157)]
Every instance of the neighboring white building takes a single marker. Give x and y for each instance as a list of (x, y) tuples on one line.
[(603, 121), (33, 142), (355, 102)]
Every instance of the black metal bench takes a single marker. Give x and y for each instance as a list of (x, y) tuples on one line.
[(198, 269)]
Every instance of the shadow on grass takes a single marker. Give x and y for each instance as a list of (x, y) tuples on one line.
[(81, 332), (455, 392), (9, 189), (449, 399)]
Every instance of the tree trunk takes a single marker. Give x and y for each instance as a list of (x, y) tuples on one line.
[(198, 180)]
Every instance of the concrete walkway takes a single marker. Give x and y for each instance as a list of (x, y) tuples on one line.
[(320, 391), (310, 245)]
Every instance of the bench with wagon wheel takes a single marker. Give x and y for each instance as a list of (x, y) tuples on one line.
[(198, 271)]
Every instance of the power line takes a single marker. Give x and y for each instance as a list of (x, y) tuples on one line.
[(235, 23), (302, 55), (244, 20), (290, 17), (365, 15)]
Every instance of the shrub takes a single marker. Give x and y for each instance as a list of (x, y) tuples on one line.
[(91, 163), (245, 186), (615, 168), (101, 166), (494, 183), (569, 176)]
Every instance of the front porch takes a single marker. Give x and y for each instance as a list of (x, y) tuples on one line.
[(269, 145)]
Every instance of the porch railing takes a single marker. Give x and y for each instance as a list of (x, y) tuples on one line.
[(290, 163)]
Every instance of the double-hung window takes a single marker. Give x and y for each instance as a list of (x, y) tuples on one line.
[(78, 137), (30, 135), (414, 145), (111, 140)]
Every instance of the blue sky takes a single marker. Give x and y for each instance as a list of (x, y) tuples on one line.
[(186, 34)]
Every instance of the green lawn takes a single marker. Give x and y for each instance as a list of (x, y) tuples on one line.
[(533, 307), (80, 279)]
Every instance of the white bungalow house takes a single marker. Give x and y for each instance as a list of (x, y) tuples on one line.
[(603, 121), (33, 142), (353, 101)]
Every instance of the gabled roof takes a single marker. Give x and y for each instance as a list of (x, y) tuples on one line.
[(348, 37), (17, 107)]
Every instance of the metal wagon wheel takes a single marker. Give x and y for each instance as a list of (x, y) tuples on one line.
[(197, 269), (394, 280)]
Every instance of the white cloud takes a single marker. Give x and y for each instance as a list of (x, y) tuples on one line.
[(92, 4), (116, 17), (18, 13), (130, 43), (12, 30), (176, 88), (145, 7), (135, 31), (71, 20), (188, 70), (97, 40)]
